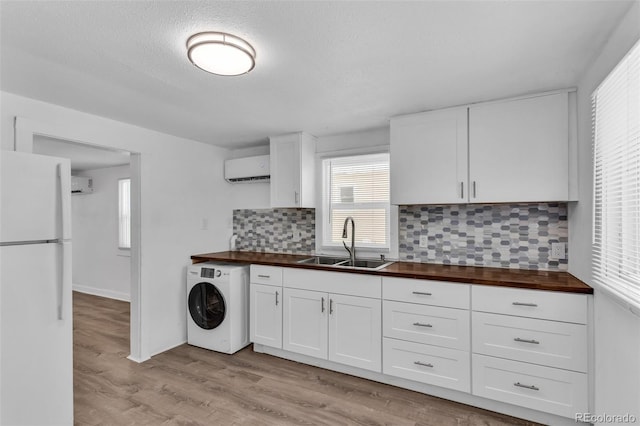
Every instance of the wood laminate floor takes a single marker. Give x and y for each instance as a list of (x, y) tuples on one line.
[(193, 386)]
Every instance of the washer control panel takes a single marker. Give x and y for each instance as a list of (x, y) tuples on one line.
[(210, 273)]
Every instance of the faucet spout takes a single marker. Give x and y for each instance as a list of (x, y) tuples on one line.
[(352, 251)]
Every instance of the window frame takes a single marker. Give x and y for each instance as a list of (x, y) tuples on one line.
[(322, 211)]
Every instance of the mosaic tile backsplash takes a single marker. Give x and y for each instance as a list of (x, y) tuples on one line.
[(271, 230), (497, 235)]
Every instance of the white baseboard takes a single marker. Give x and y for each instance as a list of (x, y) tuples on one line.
[(125, 297)]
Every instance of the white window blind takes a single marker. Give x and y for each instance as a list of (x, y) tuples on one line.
[(124, 213), (357, 186), (616, 137)]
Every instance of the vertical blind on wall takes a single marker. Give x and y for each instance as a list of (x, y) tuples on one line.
[(124, 213), (357, 186), (616, 138)]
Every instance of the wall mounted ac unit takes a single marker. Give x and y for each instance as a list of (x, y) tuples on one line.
[(81, 185), (247, 170)]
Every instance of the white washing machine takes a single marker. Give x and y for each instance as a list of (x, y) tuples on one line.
[(218, 306)]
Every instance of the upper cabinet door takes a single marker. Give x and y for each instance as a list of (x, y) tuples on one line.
[(519, 150), (429, 157), (292, 170)]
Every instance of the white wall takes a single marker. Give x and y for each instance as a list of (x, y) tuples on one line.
[(617, 331), (99, 267), (181, 184)]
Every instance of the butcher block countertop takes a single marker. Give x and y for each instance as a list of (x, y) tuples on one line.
[(518, 278)]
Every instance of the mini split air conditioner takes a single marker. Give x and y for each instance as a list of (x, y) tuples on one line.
[(248, 169), (81, 185)]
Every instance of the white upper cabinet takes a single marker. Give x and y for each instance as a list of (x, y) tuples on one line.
[(519, 150), (506, 151), (429, 157), (292, 170)]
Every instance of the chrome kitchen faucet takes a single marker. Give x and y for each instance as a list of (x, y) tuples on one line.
[(352, 252)]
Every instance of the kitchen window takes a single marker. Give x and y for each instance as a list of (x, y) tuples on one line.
[(616, 138), (124, 213), (356, 186)]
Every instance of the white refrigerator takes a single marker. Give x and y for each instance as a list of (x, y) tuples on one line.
[(36, 348)]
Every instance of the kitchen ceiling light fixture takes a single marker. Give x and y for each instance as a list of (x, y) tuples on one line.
[(221, 53)]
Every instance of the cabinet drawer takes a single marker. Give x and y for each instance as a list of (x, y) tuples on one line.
[(333, 282), (546, 389), (531, 303), (270, 275), (555, 344), (433, 325), (444, 367), (426, 292)]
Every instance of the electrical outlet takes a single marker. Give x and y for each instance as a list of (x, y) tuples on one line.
[(424, 241), (558, 251), (296, 235)]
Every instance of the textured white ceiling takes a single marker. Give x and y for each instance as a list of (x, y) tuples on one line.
[(323, 67)]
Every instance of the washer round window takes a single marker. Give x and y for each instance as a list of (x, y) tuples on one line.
[(206, 305)]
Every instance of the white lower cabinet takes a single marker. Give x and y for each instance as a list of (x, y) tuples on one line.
[(340, 328), (547, 389), (266, 315), (523, 347), (449, 368), (354, 331)]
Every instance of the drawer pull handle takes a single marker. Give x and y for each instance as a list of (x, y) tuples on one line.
[(525, 304), (421, 293), (520, 385), (419, 324), (535, 342), (424, 364), (264, 276)]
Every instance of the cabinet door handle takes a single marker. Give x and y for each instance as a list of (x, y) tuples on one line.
[(535, 342), (264, 276), (419, 324), (474, 189), (296, 197), (525, 304), (520, 385), (322, 310), (421, 293), (276, 298), (424, 364), (462, 190), (331, 306)]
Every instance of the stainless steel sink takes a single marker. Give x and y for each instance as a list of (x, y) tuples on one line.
[(364, 264), (341, 262), (323, 260)]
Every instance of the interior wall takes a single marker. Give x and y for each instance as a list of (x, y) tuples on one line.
[(99, 266), (617, 330), (183, 205)]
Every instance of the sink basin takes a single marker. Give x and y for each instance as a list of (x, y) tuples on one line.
[(364, 264), (323, 260), (341, 262)]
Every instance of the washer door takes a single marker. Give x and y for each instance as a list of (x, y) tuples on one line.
[(206, 305)]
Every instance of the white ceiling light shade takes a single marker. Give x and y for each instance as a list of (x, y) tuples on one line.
[(221, 53)]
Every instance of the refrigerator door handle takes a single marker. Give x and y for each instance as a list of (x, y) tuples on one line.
[(65, 201), (64, 281)]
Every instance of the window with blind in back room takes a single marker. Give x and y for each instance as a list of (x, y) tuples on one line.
[(356, 186), (124, 213), (616, 140)]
